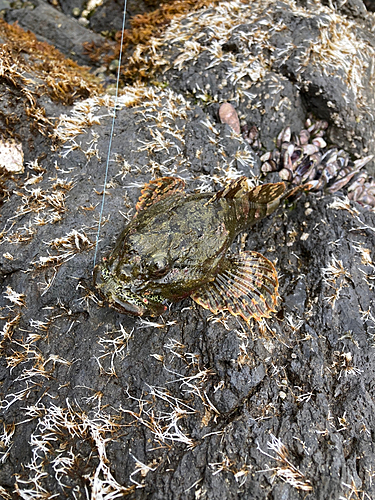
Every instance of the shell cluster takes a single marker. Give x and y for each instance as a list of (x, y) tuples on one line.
[(304, 160)]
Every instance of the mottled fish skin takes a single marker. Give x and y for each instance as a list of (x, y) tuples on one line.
[(177, 244)]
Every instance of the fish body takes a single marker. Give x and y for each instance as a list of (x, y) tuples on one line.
[(177, 245)]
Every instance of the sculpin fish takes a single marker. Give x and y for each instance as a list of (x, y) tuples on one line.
[(177, 245)]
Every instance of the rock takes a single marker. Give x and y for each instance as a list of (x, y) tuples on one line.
[(352, 8), (186, 405), (64, 32), (11, 156), (283, 59), (228, 115)]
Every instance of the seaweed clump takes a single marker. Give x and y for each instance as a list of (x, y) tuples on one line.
[(29, 71)]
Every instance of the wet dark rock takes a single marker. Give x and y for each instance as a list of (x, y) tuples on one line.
[(108, 16), (186, 405), (302, 64), (352, 8), (64, 32)]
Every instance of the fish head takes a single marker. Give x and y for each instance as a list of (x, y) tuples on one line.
[(121, 286)]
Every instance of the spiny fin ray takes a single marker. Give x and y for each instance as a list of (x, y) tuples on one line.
[(158, 189), (266, 193), (247, 286), (260, 195)]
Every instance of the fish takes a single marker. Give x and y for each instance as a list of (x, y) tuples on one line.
[(178, 245)]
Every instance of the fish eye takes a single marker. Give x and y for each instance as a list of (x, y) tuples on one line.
[(125, 270), (158, 265)]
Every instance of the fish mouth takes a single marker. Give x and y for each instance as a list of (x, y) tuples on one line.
[(121, 298), (127, 307)]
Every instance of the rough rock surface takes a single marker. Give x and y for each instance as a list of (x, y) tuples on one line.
[(316, 59), (95, 404), (49, 24)]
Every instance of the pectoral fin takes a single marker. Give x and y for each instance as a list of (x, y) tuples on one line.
[(247, 287)]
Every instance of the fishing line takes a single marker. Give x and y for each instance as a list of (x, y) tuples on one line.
[(111, 134)]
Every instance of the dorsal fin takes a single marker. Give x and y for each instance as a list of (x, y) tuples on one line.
[(266, 193), (158, 189), (230, 190), (263, 195)]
